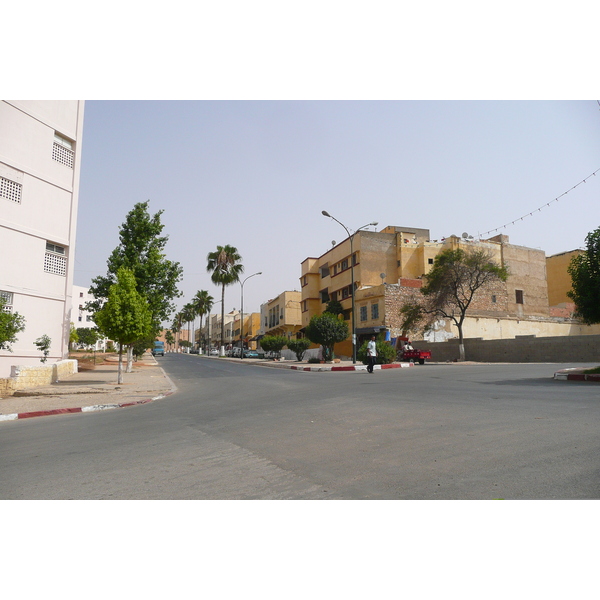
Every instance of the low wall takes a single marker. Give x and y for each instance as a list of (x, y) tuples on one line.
[(581, 348), (34, 376)]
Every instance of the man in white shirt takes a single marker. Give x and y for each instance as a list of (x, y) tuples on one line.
[(371, 354)]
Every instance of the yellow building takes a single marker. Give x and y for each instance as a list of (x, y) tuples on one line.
[(388, 270), (559, 280), (282, 315)]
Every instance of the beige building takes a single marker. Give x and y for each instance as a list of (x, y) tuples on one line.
[(388, 270), (282, 315)]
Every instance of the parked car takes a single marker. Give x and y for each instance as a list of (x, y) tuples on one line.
[(214, 352), (250, 354), (237, 352)]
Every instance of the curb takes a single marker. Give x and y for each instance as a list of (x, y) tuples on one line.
[(564, 376), (79, 409), (352, 368)]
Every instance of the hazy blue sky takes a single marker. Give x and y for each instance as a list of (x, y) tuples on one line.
[(257, 174)]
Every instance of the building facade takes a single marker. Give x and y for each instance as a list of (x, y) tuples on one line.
[(40, 158), (389, 267), (282, 315), (82, 317)]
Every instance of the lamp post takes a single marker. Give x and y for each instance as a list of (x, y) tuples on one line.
[(242, 314), (351, 237)]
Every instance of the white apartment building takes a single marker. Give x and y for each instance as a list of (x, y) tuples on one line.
[(40, 157), (81, 317)]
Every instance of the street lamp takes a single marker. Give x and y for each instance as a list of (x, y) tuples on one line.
[(242, 314), (374, 223)]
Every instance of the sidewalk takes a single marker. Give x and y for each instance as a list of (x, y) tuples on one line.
[(90, 390)]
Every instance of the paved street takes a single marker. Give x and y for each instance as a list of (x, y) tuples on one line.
[(237, 431)]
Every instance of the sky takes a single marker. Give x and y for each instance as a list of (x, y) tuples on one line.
[(257, 174)]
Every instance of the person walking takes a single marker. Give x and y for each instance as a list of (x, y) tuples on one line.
[(371, 354)]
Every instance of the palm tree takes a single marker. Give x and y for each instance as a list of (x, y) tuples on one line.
[(203, 303), (176, 328), (226, 267), (188, 314)]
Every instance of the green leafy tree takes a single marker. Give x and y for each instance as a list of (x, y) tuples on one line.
[(141, 250), (43, 345), (334, 307), (11, 323), (140, 346), (126, 316), (225, 266), (273, 343), (299, 347), (87, 336), (326, 330), (73, 337), (585, 276), (451, 286)]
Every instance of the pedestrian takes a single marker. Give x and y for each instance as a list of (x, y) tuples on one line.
[(371, 354)]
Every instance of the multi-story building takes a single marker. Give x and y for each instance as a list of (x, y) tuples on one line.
[(82, 317), (40, 157), (388, 270), (282, 315)]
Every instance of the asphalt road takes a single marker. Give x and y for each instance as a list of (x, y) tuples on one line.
[(235, 431)]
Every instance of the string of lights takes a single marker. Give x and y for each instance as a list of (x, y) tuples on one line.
[(541, 207)]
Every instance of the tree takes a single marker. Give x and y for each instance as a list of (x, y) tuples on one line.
[(169, 338), (326, 330), (141, 250), (87, 336), (299, 347), (126, 316), (203, 303), (43, 345), (451, 286), (585, 276), (226, 267), (334, 307), (73, 337), (273, 343), (188, 314), (10, 324)]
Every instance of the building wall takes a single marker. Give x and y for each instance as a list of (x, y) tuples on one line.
[(559, 280), (38, 206)]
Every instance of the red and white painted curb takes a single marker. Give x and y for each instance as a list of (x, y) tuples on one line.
[(64, 411), (351, 368), (564, 375)]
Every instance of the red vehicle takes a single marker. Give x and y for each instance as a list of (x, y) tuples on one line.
[(407, 353)]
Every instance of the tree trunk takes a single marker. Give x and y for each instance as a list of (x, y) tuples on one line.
[(461, 344), (129, 359), (120, 370)]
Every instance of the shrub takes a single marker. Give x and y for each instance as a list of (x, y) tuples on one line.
[(299, 347), (385, 353), (273, 343)]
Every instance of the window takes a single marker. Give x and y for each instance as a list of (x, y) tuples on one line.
[(354, 259), (325, 271), (55, 260), (430, 261), (519, 296), (494, 299), (363, 313), (304, 281), (324, 295), (62, 151), (344, 264), (81, 294), (374, 311), (11, 190), (80, 318), (8, 301)]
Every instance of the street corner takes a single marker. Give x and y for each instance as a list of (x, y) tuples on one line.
[(577, 374)]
